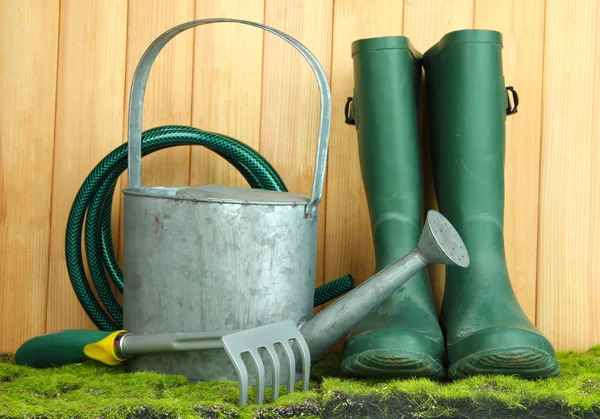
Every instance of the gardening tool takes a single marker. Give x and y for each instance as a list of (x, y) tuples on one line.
[(486, 329), (439, 243), (402, 337), (112, 348)]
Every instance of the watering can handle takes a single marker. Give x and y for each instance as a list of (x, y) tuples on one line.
[(138, 87)]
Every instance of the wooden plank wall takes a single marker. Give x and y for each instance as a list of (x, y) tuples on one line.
[(65, 71)]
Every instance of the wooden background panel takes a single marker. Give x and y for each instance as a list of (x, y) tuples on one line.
[(28, 56), (522, 27), (227, 85), (168, 97), (425, 22), (253, 86), (568, 265), (89, 124), (594, 232)]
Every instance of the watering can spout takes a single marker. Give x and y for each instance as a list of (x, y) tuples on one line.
[(439, 243)]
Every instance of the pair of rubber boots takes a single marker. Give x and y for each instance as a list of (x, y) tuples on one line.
[(481, 328)]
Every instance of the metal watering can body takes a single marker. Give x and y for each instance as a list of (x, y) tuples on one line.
[(195, 263), (215, 258)]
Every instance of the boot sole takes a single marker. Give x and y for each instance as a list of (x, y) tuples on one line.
[(395, 363), (526, 362)]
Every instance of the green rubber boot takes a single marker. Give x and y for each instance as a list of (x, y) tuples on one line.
[(402, 338), (485, 328)]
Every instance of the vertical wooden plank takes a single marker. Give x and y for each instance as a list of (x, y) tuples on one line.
[(425, 22), (227, 85), (89, 124), (568, 263), (28, 59), (290, 97), (349, 239), (594, 249), (522, 28), (168, 97)]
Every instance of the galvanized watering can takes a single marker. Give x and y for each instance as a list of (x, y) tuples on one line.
[(217, 259)]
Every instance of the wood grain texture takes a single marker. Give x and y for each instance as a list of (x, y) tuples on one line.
[(349, 238), (425, 23), (227, 85), (568, 262), (594, 232), (89, 124), (65, 74), (290, 98), (28, 57), (168, 97), (522, 28)]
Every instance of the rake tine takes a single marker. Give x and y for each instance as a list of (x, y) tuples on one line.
[(242, 372), (276, 370), (305, 352), (289, 354), (260, 376)]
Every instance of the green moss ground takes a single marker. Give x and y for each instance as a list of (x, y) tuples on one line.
[(94, 391)]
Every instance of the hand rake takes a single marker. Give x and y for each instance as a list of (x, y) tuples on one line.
[(115, 347)]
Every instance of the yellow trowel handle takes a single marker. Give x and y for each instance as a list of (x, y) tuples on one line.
[(71, 346)]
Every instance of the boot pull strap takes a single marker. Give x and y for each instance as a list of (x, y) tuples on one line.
[(511, 110), (348, 112)]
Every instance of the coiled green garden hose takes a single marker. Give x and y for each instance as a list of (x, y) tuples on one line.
[(93, 206)]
